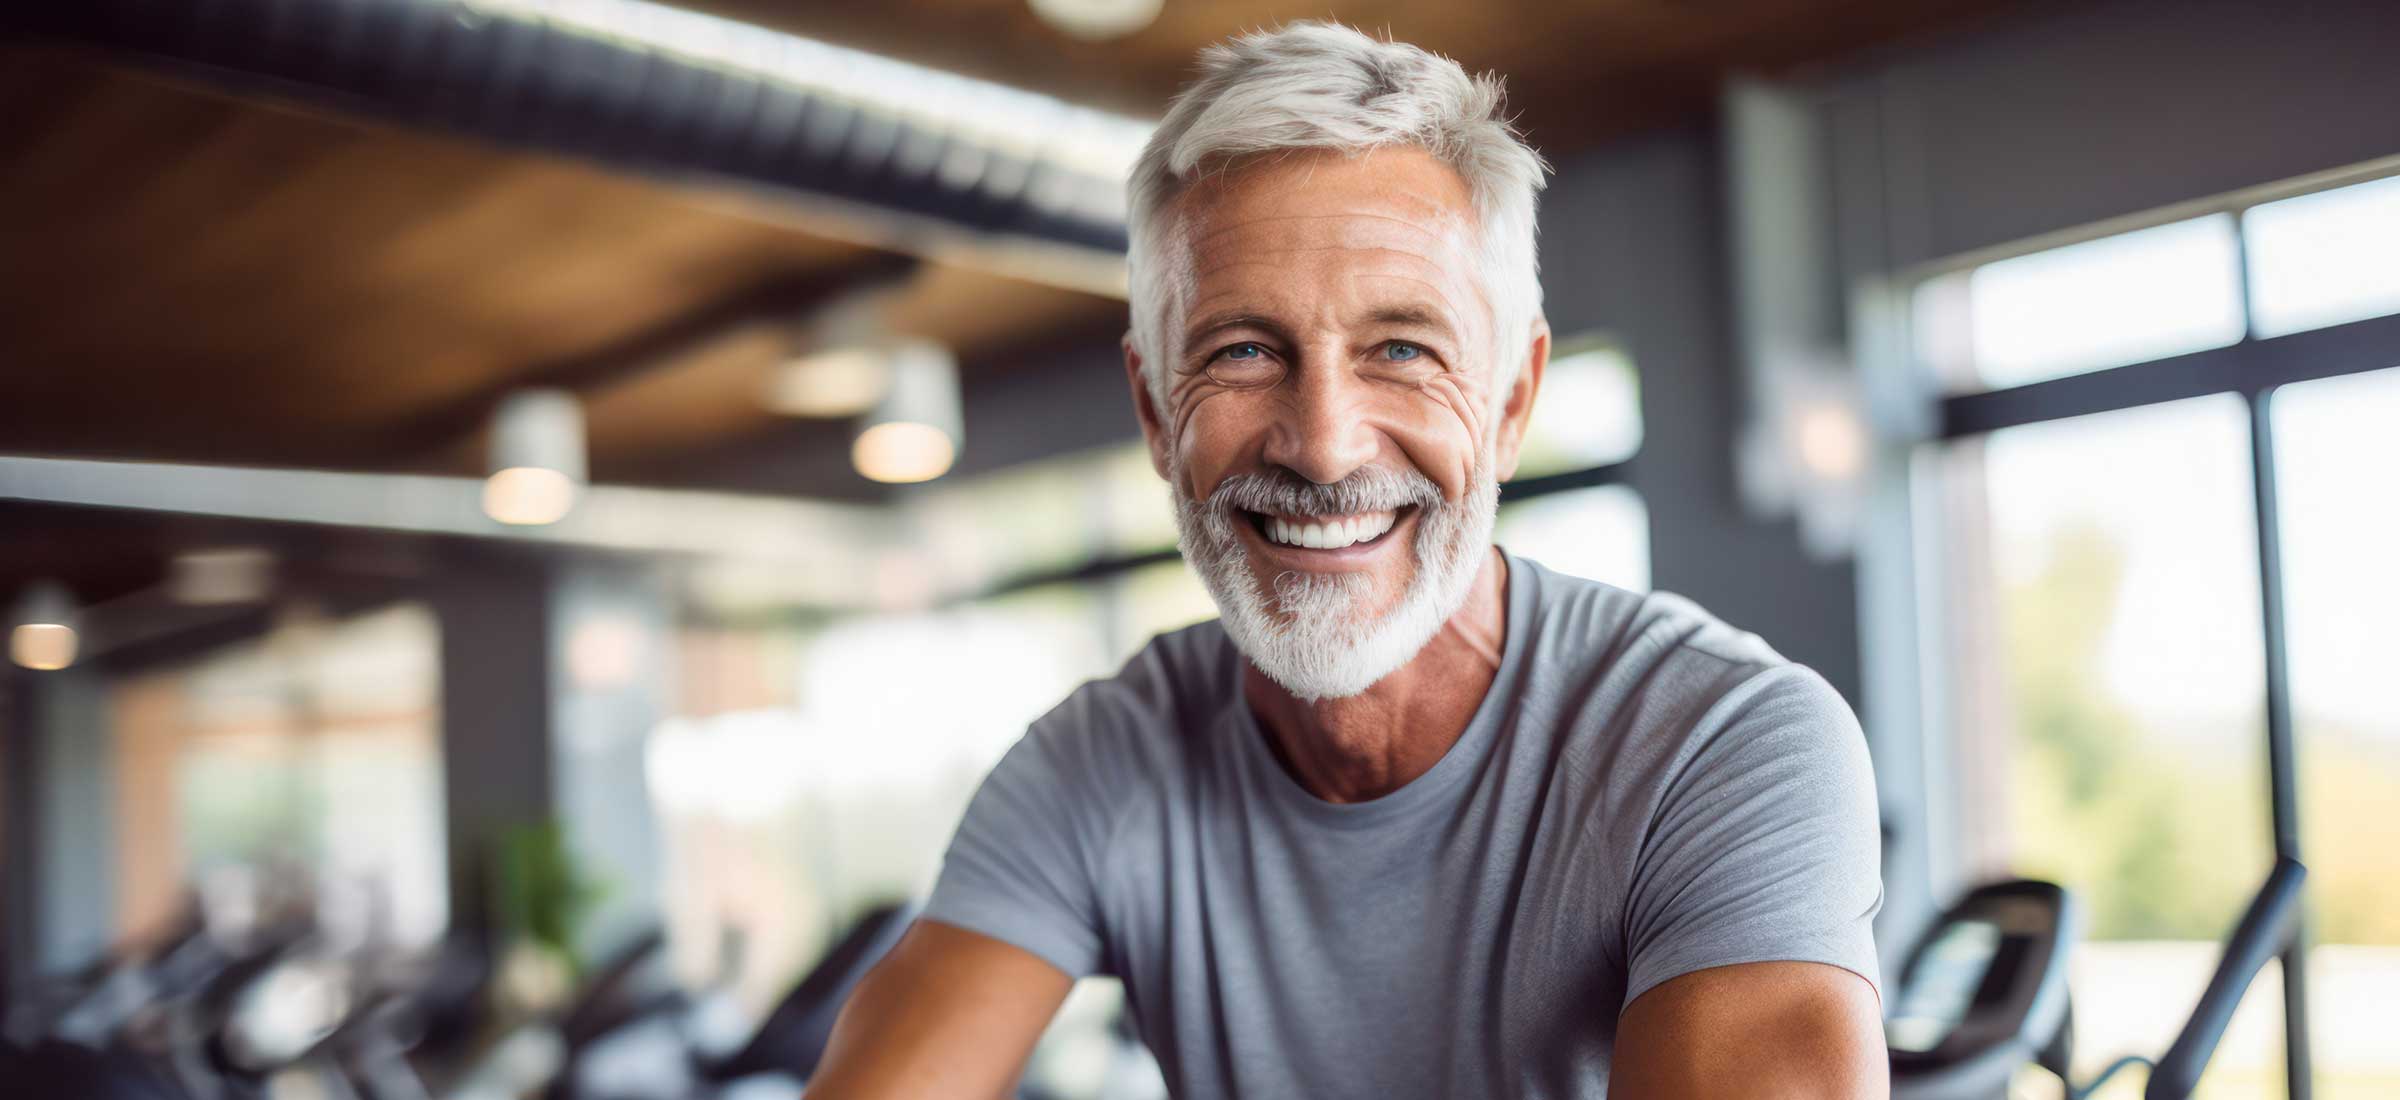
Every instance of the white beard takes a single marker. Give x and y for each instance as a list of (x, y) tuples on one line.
[(1316, 637)]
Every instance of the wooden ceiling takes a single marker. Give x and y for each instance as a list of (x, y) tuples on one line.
[(190, 276), (186, 276)]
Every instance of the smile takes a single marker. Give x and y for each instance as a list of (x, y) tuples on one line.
[(1326, 532)]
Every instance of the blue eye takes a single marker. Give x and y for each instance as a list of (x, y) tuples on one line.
[(1399, 352), (1243, 351)]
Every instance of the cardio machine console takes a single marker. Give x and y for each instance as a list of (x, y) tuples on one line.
[(1984, 992)]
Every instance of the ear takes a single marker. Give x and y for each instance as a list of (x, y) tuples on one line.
[(1154, 431), (1516, 409)]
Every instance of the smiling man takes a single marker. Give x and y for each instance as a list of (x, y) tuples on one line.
[(1416, 817)]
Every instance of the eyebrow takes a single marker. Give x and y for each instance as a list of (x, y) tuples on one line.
[(1233, 318), (1411, 314)]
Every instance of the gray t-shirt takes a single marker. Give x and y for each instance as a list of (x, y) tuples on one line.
[(1644, 792)]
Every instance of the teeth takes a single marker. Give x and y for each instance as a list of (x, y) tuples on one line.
[(1332, 535)]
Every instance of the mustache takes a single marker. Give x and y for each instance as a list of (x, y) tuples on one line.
[(1367, 489)]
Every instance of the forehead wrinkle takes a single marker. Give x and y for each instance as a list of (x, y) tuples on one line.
[(1413, 225), (1430, 249), (1205, 247), (1200, 269)]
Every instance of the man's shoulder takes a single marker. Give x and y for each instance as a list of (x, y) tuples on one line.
[(1655, 675), (1655, 694), (1593, 630)]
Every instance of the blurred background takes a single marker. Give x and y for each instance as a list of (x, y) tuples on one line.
[(524, 521)]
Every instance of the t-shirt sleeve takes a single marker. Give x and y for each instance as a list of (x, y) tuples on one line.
[(1765, 846), (1024, 865)]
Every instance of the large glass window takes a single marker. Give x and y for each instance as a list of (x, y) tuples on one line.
[(2324, 258), (2122, 299), (2336, 460), (2104, 597), (1601, 533), (305, 765), (1588, 413), (838, 758), (2107, 628)]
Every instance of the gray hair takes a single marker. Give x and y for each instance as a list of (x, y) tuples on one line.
[(1312, 85)]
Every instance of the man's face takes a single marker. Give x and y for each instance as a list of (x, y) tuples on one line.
[(1328, 427)]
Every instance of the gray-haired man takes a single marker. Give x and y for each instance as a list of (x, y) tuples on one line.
[(1416, 817)]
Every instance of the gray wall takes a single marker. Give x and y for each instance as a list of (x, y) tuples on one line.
[(1632, 245), (60, 865), (2086, 115), (525, 740), (496, 711), (612, 677)]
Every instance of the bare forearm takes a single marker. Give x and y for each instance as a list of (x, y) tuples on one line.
[(1800, 1030), (948, 1014)]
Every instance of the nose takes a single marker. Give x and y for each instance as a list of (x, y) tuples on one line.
[(1321, 431)]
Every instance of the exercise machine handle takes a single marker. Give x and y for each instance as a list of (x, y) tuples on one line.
[(2266, 928)]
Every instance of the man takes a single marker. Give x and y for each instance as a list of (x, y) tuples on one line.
[(1415, 818)]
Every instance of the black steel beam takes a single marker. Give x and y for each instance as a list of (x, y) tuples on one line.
[(2251, 367), (2283, 781)]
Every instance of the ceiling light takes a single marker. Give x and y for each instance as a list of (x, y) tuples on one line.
[(43, 630), (226, 575), (914, 433), (537, 459), (1097, 20), (837, 382), (841, 355), (1808, 448), (1831, 441)]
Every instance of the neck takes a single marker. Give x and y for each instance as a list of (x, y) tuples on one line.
[(1373, 743)]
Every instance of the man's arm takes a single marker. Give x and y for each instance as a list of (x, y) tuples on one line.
[(949, 1013), (1767, 1029)]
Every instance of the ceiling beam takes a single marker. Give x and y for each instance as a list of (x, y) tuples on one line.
[(824, 546), (456, 422)]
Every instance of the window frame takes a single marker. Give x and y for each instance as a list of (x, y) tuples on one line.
[(2253, 368)]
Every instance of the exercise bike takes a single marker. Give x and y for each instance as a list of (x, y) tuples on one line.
[(1984, 993)]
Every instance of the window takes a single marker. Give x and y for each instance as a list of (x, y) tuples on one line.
[(834, 783), (1600, 533), (2117, 619), (2104, 576), (2337, 455), (2324, 258), (2135, 296), (1588, 413), (309, 759), (1565, 508)]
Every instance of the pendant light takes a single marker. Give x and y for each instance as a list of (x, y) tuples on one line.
[(832, 383), (537, 458), (43, 631), (914, 433)]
